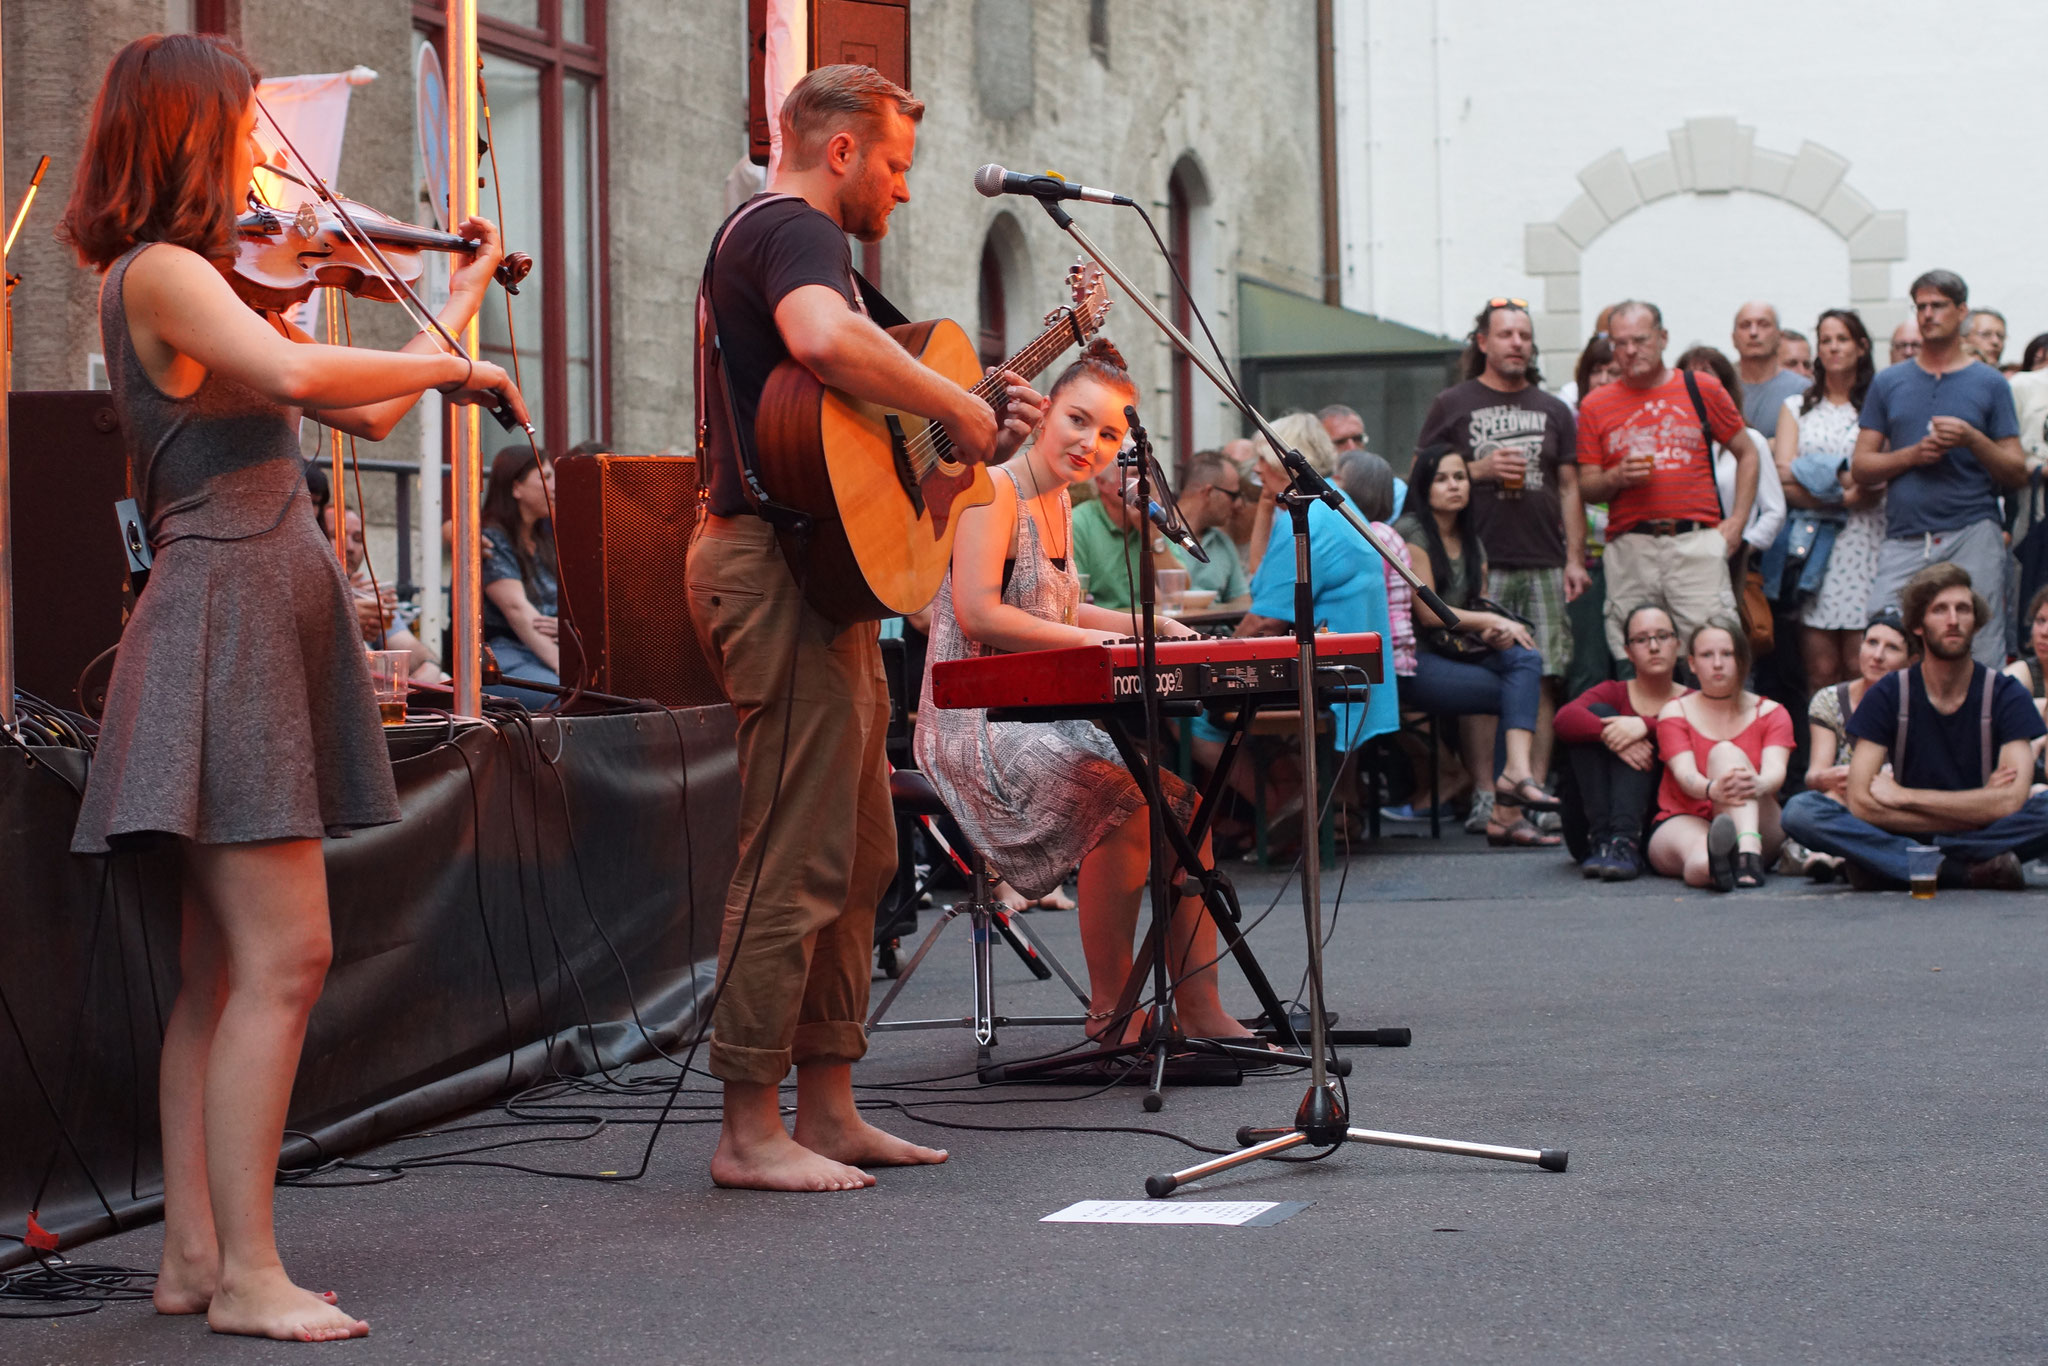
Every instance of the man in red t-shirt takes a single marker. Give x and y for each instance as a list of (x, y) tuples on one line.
[(1643, 453)]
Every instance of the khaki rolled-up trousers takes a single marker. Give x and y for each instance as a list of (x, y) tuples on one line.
[(817, 836)]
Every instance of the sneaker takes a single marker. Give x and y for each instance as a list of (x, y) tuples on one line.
[(2001, 874), (1406, 814), (1624, 860), (1721, 853), (1481, 813), (1599, 864), (1794, 858)]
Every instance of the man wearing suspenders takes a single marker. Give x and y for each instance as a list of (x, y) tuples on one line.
[(1944, 756)]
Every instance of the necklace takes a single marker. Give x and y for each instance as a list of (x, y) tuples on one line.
[(1039, 499)]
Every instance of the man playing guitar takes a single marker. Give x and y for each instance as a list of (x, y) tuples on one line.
[(816, 831)]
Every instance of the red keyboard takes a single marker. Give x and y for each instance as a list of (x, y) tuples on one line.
[(1188, 670)]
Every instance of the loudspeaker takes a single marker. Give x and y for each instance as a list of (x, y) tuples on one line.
[(623, 525), (70, 574)]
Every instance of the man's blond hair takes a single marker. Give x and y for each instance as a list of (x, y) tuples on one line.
[(834, 99)]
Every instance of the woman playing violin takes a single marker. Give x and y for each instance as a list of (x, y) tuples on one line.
[(239, 721)]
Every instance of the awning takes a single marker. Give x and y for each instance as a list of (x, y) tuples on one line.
[(1272, 323)]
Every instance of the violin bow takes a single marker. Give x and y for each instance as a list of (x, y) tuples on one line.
[(363, 242)]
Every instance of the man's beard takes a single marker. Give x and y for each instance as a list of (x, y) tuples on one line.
[(1939, 647)]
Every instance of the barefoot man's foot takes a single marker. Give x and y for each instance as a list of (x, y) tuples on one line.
[(270, 1306), (787, 1165), (861, 1142)]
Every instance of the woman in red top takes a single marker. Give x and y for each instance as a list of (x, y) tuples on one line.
[(1610, 751), (1725, 751)]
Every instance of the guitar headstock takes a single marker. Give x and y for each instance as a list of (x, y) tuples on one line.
[(1090, 291)]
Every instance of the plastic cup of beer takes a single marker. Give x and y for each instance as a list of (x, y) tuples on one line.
[(390, 671), (1172, 587), (1923, 867)]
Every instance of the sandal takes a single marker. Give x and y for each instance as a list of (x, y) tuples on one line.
[(1721, 854), (1522, 833), (1749, 869), (1527, 794)]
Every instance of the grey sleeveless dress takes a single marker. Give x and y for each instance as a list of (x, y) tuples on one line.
[(240, 707), (1033, 796)]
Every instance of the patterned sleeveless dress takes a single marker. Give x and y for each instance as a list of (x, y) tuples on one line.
[(1034, 796), (240, 706)]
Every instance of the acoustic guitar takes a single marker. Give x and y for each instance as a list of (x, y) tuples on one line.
[(883, 488)]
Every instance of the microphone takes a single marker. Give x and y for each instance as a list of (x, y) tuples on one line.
[(1158, 517), (993, 180)]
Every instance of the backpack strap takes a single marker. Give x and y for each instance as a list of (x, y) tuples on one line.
[(1984, 724), (1842, 704), (710, 368), (1699, 408)]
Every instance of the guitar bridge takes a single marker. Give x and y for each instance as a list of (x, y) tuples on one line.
[(899, 451)]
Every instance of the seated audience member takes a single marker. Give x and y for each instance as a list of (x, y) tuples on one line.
[(1945, 786), (1210, 492), (1725, 750), (1886, 649), (376, 604), (1486, 667), (1610, 747), (1368, 482), (2031, 668), (520, 575), (1107, 545)]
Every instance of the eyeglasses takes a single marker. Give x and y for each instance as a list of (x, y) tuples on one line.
[(1654, 638), (1232, 494)]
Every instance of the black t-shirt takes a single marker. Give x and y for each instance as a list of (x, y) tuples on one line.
[(775, 249), (1943, 753), (1518, 533)]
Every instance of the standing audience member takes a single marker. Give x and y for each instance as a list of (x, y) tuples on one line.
[(1643, 452), (1905, 342), (1945, 785), (1812, 454), (1725, 750), (1484, 668), (1210, 491), (1767, 512), (1591, 662), (1985, 330), (1766, 383), (1610, 745), (1519, 445), (1885, 649), (2036, 354), (520, 574), (1795, 353), (1943, 433), (1346, 429)]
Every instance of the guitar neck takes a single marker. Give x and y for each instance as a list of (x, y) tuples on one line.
[(1032, 360)]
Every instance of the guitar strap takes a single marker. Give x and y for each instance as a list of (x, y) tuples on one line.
[(884, 313), (710, 367)]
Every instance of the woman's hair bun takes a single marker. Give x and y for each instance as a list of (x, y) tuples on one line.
[(1103, 351), (1100, 361)]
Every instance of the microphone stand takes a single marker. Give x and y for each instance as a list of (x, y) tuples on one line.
[(1321, 1119)]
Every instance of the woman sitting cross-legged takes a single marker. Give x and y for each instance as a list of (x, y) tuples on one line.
[(1038, 797), (1487, 667), (1886, 648), (1610, 747), (1725, 751)]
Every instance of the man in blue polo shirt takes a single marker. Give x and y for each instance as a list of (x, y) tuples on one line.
[(1941, 431), (1960, 756)]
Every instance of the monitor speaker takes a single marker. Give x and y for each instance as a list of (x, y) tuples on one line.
[(70, 575), (623, 529)]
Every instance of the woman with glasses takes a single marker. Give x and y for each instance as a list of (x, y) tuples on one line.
[(1610, 745), (1725, 750)]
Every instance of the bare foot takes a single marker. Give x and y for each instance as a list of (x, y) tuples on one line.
[(1133, 1031), (786, 1165), (268, 1305), (861, 1142), (185, 1282), (1215, 1023)]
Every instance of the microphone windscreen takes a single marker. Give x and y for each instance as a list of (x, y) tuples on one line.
[(989, 180)]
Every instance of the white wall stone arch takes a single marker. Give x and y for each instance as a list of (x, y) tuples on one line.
[(1713, 156)]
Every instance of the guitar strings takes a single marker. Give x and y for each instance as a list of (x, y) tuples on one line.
[(929, 446)]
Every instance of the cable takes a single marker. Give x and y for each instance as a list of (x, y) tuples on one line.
[(60, 1289)]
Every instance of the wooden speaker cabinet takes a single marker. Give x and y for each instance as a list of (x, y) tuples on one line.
[(623, 528)]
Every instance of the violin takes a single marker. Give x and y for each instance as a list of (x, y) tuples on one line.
[(282, 256)]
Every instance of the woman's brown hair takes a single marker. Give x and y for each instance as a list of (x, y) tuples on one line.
[(501, 510), (156, 161), (1099, 361)]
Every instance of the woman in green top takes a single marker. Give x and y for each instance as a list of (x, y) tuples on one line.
[(1503, 681)]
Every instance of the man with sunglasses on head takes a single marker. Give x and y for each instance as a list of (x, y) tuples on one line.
[(1942, 432), (1520, 448)]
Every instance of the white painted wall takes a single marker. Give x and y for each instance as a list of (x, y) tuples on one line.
[(1462, 122)]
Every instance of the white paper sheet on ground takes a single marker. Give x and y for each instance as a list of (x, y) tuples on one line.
[(1236, 1213)]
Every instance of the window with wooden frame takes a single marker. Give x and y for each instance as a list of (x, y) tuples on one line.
[(544, 80)]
